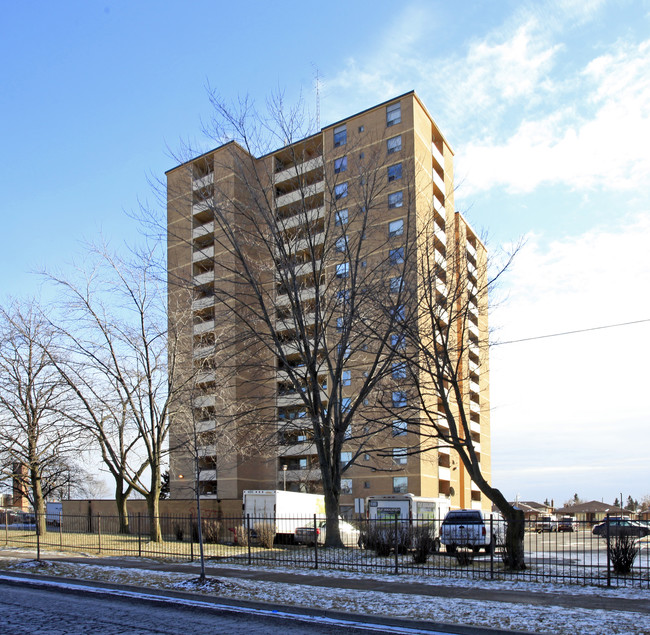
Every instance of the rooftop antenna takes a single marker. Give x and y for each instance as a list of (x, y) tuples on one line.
[(317, 85)]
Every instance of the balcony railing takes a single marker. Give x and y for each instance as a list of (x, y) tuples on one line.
[(203, 327), (203, 254), (296, 195), (437, 156), (204, 278), (203, 181), (295, 170), (203, 230)]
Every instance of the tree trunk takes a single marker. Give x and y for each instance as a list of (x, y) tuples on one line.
[(155, 535), (39, 504), (122, 510), (332, 536), (513, 557)]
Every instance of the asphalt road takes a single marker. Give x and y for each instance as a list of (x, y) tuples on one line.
[(59, 612)]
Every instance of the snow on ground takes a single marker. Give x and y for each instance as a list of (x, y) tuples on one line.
[(525, 617)]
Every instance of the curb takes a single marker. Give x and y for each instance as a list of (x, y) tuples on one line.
[(212, 602)]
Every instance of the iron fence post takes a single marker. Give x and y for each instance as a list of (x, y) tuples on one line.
[(61, 531), (38, 538), (139, 537), (99, 533), (493, 544), (396, 548), (6, 527), (315, 544), (609, 573), (248, 535)]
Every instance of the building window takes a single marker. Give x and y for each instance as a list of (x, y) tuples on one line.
[(343, 296), (341, 217), (400, 485), (366, 484), (400, 428), (346, 457), (340, 136), (340, 323), (394, 172), (396, 284), (346, 377), (393, 114), (396, 256), (398, 312), (399, 398), (346, 486), (396, 199), (394, 144), (366, 457), (348, 433), (340, 191), (398, 341), (399, 456), (361, 128), (342, 244), (396, 228), (345, 404), (399, 370), (343, 270), (340, 165), (344, 350)]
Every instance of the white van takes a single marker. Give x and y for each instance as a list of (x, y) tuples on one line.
[(470, 528)]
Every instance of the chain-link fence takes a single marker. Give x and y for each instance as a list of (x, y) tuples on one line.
[(614, 553)]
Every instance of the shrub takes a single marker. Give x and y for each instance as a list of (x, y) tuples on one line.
[(178, 531), (265, 534), (211, 531), (423, 543), (464, 558), (241, 535), (380, 537), (623, 551)]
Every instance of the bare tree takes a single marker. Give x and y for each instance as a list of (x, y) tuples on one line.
[(305, 281), (121, 364), (445, 352), (36, 438)]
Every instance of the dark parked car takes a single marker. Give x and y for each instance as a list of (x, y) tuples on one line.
[(621, 527), (567, 523)]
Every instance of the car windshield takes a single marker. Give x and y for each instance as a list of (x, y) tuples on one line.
[(462, 517)]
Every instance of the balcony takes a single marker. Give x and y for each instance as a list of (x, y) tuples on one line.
[(308, 474), (471, 250), (474, 387), (302, 270), (474, 426), (203, 254), (299, 449), (438, 185), (202, 303), (298, 169), (290, 325), (206, 377), (297, 195), (302, 218), (203, 327), (204, 181), (473, 366), (306, 294), (437, 156), (205, 425), (295, 399), (203, 206), (439, 207), (444, 473), (203, 351), (203, 230), (204, 401), (208, 475), (204, 278), (477, 505), (441, 236), (207, 450)]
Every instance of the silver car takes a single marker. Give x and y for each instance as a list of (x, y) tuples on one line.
[(349, 534)]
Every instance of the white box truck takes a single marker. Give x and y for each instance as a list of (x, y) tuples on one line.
[(407, 508), (286, 510)]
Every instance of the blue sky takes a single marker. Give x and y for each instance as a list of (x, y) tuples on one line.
[(546, 105)]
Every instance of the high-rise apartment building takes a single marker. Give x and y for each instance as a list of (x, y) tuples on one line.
[(394, 158)]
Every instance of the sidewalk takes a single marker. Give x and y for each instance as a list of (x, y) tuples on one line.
[(599, 600)]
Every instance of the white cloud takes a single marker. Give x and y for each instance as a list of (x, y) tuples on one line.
[(574, 400), (602, 149)]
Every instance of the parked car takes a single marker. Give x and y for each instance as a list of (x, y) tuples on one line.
[(471, 528), (567, 523), (621, 527), (349, 535), (547, 523)]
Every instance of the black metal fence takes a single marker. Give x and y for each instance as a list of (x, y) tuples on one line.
[(568, 553)]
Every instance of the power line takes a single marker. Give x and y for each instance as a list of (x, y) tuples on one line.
[(594, 328)]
